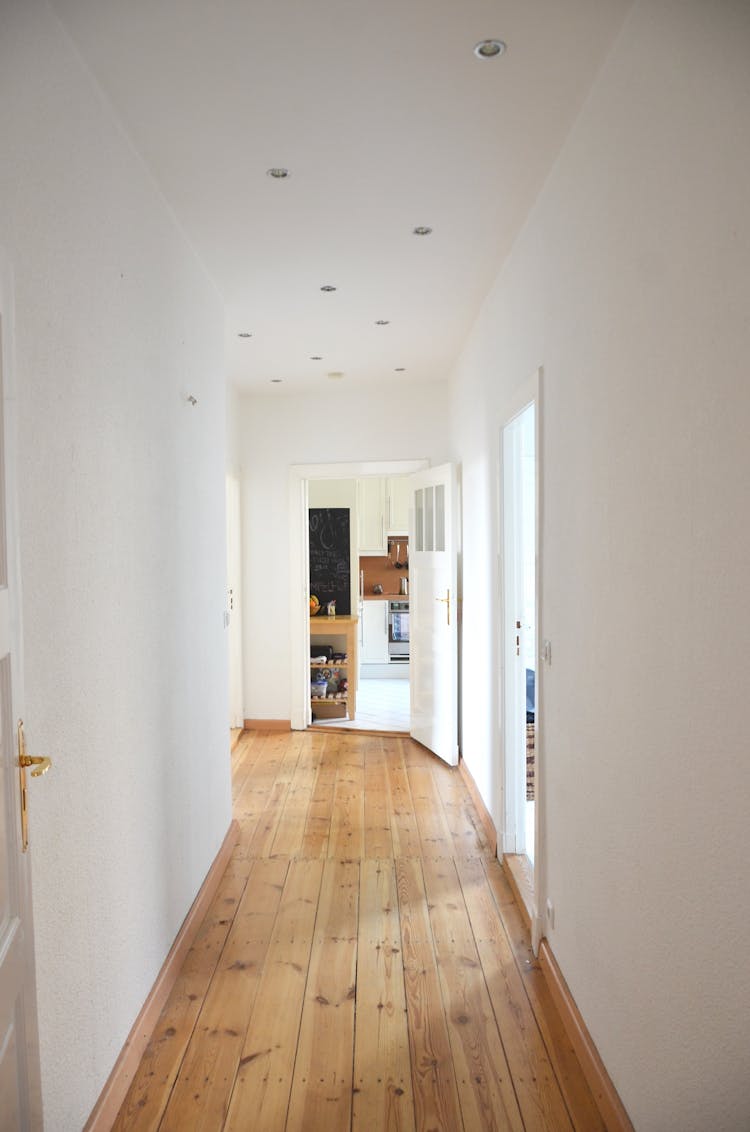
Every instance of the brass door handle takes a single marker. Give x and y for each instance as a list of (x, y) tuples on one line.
[(447, 601), (39, 766)]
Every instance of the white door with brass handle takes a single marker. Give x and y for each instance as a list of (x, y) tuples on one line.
[(20, 1095), (433, 633)]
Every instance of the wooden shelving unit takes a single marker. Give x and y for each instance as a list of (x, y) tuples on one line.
[(330, 630)]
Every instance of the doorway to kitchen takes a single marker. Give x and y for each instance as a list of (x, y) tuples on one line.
[(367, 565), (381, 678)]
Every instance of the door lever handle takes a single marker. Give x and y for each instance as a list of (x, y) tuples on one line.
[(447, 601), (39, 765)]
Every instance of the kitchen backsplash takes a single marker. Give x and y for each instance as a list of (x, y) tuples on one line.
[(383, 571)]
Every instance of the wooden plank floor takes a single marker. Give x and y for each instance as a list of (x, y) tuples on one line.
[(363, 966)]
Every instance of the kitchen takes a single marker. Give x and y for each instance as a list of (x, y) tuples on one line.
[(378, 577)]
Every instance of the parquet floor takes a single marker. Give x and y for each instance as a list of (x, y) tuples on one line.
[(363, 966)]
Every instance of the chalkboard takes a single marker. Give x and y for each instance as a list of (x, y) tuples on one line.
[(330, 562)]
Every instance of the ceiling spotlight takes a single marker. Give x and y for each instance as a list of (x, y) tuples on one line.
[(244, 334), (316, 358), (327, 287), (490, 49), (382, 321), (422, 230), (400, 369), (335, 375), (278, 173), (276, 381)]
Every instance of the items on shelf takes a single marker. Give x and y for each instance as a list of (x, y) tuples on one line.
[(328, 680)]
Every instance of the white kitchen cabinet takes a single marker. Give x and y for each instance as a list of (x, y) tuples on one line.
[(398, 496), (371, 515), (374, 639)]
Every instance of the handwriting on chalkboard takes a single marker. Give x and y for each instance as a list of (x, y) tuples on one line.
[(330, 561)]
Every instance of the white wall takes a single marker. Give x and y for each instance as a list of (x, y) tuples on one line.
[(630, 285), (123, 546), (329, 427), (234, 429)]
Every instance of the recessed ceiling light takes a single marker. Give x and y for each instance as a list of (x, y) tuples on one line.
[(276, 380), (382, 321), (316, 358), (400, 369), (327, 287), (244, 334), (278, 173), (490, 49), (422, 230), (335, 375)]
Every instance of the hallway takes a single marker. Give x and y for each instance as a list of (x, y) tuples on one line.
[(363, 966)]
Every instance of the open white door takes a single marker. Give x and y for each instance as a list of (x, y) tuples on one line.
[(433, 609), (20, 1097)]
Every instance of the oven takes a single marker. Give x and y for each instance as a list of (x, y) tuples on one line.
[(398, 632)]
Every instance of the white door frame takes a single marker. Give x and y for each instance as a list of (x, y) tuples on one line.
[(234, 597), (299, 569), (530, 392)]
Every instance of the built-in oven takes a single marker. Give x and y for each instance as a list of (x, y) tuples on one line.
[(398, 632)]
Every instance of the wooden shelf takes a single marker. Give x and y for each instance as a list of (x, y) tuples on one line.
[(339, 626), (328, 699)]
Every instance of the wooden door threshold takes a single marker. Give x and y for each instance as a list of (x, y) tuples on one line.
[(342, 730)]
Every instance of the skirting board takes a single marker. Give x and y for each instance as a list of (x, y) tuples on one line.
[(521, 880), (607, 1100), (484, 814), (268, 725), (113, 1094)]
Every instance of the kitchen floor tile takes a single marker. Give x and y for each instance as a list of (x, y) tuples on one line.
[(382, 705)]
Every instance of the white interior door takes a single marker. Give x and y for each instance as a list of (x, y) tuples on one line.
[(234, 581), (433, 609), (20, 1098)]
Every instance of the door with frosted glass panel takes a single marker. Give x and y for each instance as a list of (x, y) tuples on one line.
[(434, 611)]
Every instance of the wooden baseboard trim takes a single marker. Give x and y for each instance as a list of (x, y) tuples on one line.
[(520, 876), (268, 725), (610, 1106), (485, 818), (113, 1094)]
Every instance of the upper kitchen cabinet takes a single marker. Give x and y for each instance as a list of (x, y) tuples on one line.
[(398, 495), (382, 510), (371, 515)]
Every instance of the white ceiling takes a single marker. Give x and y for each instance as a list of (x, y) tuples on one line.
[(386, 120)]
